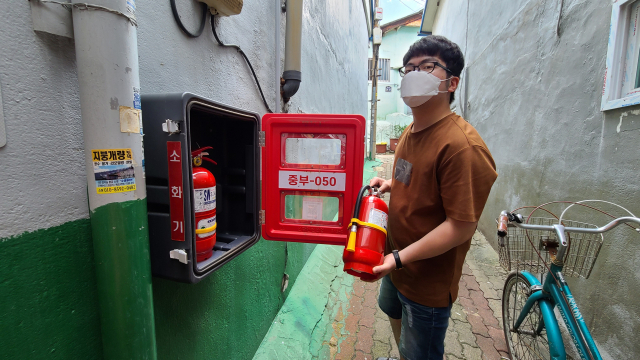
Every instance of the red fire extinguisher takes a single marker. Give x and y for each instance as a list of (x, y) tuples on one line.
[(365, 246), (204, 198)]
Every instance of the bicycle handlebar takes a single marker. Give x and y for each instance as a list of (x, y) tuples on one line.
[(560, 230), (506, 217)]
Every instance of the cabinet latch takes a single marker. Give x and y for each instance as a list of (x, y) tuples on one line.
[(261, 138), (179, 255), (170, 126), (262, 217)]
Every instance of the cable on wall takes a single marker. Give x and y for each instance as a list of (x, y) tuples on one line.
[(176, 16), (215, 35)]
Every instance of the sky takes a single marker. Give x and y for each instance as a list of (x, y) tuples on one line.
[(395, 9)]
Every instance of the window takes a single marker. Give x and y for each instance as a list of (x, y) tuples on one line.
[(622, 75), (384, 70), (383, 65)]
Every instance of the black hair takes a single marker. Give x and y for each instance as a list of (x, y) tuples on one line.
[(441, 47)]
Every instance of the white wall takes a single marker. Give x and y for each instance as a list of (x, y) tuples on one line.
[(42, 172), (534, 96), (42, 168)]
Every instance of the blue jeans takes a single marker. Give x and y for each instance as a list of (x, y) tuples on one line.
[(423, 327)]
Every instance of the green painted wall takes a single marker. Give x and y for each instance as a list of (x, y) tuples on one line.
[(49, 301), (226, 315), (48, 295)]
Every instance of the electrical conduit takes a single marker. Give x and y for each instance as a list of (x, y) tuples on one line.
[(293, 39)]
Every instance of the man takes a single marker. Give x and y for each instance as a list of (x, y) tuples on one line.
[(443, 173)]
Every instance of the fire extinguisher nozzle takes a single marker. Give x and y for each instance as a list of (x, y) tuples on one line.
[(351, 244)]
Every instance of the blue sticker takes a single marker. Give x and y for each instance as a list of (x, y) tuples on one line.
[(136, 98)]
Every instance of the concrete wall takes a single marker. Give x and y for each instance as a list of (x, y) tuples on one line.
[(48, 307), (535, 99)]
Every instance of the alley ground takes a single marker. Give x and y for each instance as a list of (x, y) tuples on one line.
[(347, 323)]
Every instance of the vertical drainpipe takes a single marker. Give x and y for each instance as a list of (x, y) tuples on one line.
[(278, 4), (107, 60), (293, 40)]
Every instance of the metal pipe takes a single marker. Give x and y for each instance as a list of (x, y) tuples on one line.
[(292, 54), (278, 4), (367, 17), (109, 87)]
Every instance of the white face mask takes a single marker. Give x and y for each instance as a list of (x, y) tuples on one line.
[(417, 87)]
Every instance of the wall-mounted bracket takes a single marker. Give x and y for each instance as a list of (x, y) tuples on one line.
[(51, 18)]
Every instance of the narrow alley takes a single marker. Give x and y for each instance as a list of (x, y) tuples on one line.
[(348, 324)]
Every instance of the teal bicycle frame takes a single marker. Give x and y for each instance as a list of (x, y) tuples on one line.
[(548, 296), (556, 293)]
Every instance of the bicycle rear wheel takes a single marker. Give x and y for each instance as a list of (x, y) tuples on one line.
[(529, 342)]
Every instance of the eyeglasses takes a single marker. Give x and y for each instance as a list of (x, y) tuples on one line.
[(426, 66)]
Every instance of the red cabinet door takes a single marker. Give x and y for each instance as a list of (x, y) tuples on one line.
[(311, 173)]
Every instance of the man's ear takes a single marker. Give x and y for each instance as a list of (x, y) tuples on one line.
[(454, 81)]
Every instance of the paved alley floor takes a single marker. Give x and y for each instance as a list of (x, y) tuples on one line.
[(332, 315), (475, 328)]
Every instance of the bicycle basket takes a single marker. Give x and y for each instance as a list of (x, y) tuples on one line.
[(517, 252)]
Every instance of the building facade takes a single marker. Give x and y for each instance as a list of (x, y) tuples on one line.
[(397, 36)]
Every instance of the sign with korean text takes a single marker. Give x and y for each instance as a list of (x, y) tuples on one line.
[(310, 180), (378, 13), (113, 170), (176, 190)]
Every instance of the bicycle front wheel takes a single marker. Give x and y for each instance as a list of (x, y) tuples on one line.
[(529, 341)]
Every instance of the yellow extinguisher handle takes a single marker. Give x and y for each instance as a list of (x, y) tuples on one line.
[(206, 230), (351, 244)]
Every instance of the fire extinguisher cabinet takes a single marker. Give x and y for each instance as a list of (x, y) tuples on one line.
[(311, 173), (175, 125)]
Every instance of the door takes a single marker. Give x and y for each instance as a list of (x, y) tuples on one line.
[(311, 173)]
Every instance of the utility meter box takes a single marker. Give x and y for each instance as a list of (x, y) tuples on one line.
[(310, 174)]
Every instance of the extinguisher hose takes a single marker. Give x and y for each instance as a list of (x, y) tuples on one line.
[(351, 243), (356, 211)]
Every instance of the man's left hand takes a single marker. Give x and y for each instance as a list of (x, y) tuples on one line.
[(387, 266)]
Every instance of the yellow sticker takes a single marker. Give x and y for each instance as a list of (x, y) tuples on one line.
[(130, 120), (113, 170)]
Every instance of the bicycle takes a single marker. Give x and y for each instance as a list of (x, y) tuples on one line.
[(530, 326)]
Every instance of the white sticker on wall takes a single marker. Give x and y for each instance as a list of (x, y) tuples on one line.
[(204, 199), (311, 180), (311, 208), (378, 217)]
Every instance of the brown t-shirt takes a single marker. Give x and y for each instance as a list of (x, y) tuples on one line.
[(443, 171)]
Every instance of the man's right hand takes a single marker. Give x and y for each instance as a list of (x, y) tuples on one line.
[(384, 185)]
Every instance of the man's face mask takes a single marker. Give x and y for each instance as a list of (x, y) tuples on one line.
[(417, 87)]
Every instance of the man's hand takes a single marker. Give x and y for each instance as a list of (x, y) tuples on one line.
[(380, 271), (384, 185), (387, 266)]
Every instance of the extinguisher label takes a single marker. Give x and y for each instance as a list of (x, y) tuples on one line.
[(206, 223), (204, 199), (378, 217)]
